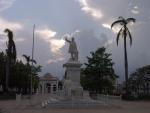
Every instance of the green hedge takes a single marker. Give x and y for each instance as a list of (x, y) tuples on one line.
[(7, 96)]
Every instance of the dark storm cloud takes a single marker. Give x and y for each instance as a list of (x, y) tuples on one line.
[(92, 18)]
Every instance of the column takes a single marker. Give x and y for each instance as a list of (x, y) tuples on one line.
[(51, 88), (57, 87)]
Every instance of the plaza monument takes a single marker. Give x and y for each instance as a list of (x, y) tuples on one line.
[(72, 85)]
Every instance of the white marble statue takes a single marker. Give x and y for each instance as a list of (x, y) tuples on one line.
[(72, 49)]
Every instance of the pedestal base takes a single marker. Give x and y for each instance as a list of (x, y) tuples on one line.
[(72, 85)]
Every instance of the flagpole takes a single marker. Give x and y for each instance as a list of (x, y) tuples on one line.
[(32, 57)]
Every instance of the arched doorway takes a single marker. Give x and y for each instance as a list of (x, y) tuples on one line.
[(48, 86), (54, 88)]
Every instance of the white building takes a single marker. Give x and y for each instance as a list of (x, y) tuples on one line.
[(48, 84)]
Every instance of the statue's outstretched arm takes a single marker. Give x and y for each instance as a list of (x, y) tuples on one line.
[(67, 40)]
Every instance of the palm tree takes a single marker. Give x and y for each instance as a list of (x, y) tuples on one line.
[(28, 59), (11, 48), (124, 32), (11, 55)]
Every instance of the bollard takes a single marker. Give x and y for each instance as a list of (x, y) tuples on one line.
[(43, 105)]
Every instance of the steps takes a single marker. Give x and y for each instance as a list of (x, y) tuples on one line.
[(76, 104)]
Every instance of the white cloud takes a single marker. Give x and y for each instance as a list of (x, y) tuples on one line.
[(83, 2), (136, 7), (5, 4), (109, 42), (135, 11), (55, 60), (95, 13), (19, 40), (2, 41), (56, 45), (14, 26), (49, 36), (75, 32), (115, 29), (106, 25), (67, 35), (46, 33), (8, 24)]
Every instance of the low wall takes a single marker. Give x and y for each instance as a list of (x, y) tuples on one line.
[(108, 97)]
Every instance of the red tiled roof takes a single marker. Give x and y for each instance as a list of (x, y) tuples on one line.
[(48, 76)]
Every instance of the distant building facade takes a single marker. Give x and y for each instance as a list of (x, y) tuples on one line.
[(48, 84)]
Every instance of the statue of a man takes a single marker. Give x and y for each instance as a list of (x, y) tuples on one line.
[(72, 49)]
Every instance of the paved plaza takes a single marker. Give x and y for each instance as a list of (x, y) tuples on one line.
[(111, 106)]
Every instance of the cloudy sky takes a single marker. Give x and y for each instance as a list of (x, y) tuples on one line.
[(87, 20)]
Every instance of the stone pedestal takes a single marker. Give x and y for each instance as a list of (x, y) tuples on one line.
[(72, 85)]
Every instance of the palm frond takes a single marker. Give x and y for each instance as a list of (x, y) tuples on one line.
[(9, 32), (130, 36), (121, 18), (26, 57), (33, 61), (118, 35), (117, 22), (128, 20)]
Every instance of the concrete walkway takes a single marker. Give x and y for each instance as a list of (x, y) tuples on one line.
[(34, 106)]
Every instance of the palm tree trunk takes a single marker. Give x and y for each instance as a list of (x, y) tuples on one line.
[(126, 64)]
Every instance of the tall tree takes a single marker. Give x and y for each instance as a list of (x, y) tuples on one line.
[(2, 70), (124, 32), (98, 74), (11, 55), (11, 48)]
